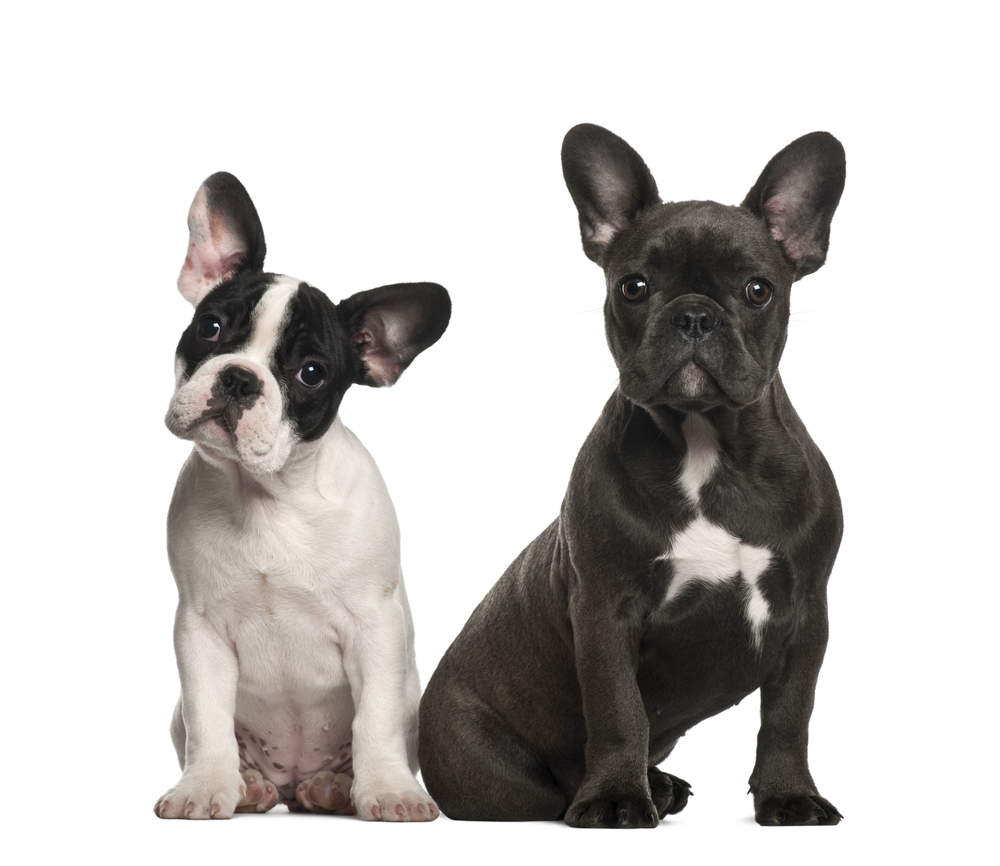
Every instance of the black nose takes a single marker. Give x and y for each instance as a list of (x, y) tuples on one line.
[(239, 384), (694, 321)]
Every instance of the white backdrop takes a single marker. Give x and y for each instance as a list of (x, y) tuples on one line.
[(421, 142)]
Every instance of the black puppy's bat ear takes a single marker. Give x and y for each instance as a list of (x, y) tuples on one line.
[(797, 194), (391, 325), (609, 184), (226, 237)]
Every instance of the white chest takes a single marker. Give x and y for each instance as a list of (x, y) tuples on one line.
[(703, 552)]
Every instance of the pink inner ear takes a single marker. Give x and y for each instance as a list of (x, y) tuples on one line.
[(214, 251), (383, 366), (792, 223), (377, 340)]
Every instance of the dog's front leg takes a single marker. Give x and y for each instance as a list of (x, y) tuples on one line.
[(378, 665), (210, 785), (615, 790), (782, 786)]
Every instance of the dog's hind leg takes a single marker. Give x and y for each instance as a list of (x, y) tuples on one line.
[(326, 793), (670, 793), (260, 796), (482, 772)]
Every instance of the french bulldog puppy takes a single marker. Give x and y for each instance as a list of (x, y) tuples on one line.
[(293, 634), (689, 562)]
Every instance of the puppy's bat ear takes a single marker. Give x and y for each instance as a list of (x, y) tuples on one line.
[(609, 184), (226, 237), (391, 325), (797, 194)]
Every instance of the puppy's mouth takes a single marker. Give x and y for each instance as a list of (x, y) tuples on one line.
[(221, 420), (225, 411), (692, 386), (692, 381), (701, 383), (226, 418)]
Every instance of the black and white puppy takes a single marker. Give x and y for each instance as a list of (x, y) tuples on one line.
[(689, 563), (293, 634)]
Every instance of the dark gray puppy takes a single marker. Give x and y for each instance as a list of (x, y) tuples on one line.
[(689, 563)]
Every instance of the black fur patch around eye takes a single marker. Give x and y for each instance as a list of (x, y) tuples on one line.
[(313, 334), (232, 303)]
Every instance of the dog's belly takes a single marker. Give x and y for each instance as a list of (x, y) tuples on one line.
[(289, 734), (289, 744), (294, 708)]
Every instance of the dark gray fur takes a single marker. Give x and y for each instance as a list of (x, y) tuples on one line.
[(573, 680)]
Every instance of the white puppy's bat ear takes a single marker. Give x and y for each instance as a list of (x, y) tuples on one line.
[(226, 237), (391, 325), (797, 194), (609, 184)]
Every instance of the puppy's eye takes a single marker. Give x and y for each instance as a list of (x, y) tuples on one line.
[(311, 375), (209, 328), (634, 288), (757, 293)]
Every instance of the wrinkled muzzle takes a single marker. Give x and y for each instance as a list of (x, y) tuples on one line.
[(233, 409)]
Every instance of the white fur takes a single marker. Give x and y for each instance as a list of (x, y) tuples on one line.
[(263, 438), (701, 458), (293, 627), (704, 551)]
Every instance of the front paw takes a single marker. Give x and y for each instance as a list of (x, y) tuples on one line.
[(612, 811), (795, 810), (202, 797), (404, 801)]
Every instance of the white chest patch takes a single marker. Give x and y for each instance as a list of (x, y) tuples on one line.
[(701, 458), (704, 551)]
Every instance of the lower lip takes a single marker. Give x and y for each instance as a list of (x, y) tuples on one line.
[(215, 422)]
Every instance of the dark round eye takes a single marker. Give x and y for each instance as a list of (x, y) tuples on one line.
[(757, 293), (634, 288), (311, 375), (209, 328)]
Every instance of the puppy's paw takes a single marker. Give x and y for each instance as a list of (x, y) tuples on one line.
[(795, 810), (202, 797), (404, 801), (326, 793), (612, 812), (670, 793), (260, 796)]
